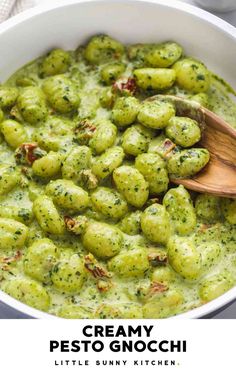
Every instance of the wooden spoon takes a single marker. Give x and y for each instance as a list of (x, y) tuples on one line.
[(219, 175)]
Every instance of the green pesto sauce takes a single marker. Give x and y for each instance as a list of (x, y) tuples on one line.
[(221, 102), (123, 290)]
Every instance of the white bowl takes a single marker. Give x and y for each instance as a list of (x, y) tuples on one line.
[(72, 22)]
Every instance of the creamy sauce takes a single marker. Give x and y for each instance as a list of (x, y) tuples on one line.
[(123, 290)]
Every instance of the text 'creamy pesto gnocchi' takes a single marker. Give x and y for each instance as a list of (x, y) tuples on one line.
[(90, 225)]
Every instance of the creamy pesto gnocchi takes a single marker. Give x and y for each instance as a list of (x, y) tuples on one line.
[(90, 224)]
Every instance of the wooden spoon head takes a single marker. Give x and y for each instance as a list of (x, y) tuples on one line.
[(219, 175)]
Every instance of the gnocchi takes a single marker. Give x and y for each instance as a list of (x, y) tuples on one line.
[(91, 223)]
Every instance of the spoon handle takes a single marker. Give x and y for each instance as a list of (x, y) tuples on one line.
[(219, 176)]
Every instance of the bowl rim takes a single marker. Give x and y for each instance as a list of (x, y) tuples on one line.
[(197, 313), (192, 10)]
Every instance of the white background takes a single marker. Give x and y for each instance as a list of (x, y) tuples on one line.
[(24, 350)]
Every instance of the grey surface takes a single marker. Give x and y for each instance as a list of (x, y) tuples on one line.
[(230, 311), (229, 16), (7, 312)]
